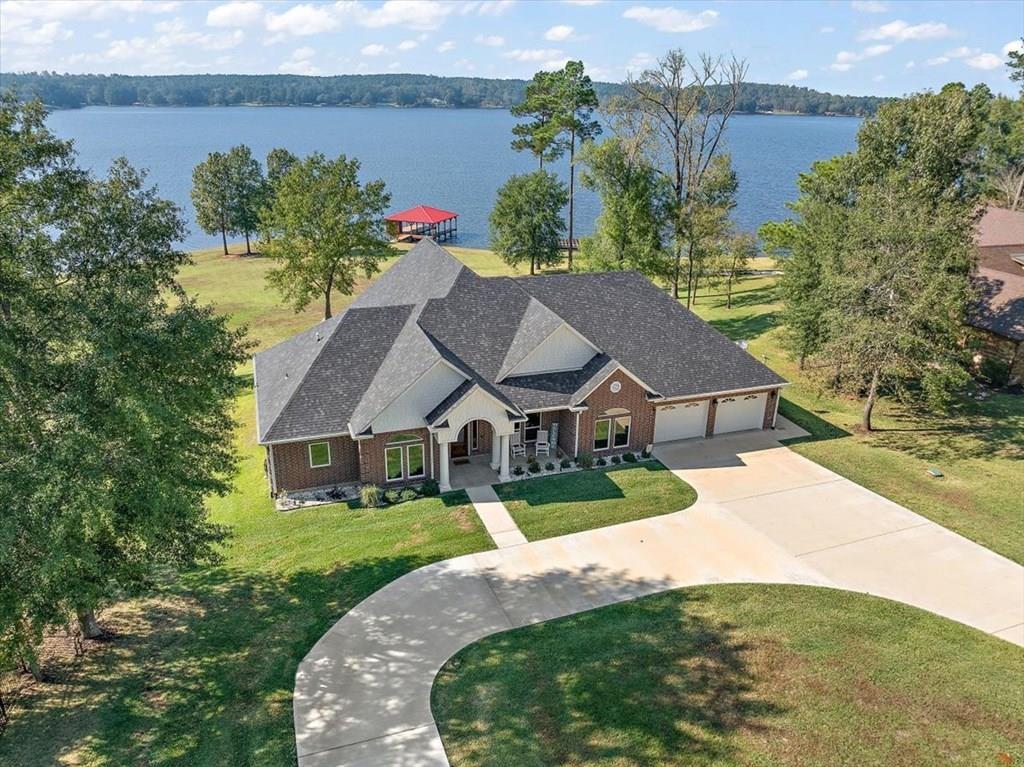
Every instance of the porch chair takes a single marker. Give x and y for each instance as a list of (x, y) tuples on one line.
[(518, 448), (542, 447)]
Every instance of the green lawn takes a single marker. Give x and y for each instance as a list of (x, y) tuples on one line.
[(979, 445), (559, 505), (735, 675)]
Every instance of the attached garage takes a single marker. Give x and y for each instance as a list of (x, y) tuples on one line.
[(740, 413), (682, 421)]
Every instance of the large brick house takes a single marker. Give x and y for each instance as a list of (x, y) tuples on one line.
[(434, 366)]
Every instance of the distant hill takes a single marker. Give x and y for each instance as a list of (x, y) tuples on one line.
[(402, 90)]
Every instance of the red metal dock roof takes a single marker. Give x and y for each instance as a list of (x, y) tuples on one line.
[(422, 214)]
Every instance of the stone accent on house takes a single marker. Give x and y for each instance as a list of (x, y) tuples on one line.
[(632, 397), (291, 469)]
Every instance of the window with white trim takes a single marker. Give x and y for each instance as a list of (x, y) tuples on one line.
[(612, 429), (403, 458), (319, 455)]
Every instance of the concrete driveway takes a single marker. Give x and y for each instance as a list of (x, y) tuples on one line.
[(857, 539), (764, 514)]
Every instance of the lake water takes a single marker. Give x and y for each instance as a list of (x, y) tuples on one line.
[(452, 159)]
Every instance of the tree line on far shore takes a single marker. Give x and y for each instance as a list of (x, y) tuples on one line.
[(405, 90)]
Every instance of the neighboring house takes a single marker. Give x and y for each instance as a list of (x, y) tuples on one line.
[(999, 316), (433, 365)]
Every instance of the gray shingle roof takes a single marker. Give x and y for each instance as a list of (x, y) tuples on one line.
[(665, 345), (339, 375)]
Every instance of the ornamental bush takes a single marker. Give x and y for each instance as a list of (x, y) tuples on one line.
[(430, 488), (585, 461), (629, 458), (408, 494), (616, 460), (601, 461), (565, 463), (518, 471), (369, 496), (549, 466), (533, 466)]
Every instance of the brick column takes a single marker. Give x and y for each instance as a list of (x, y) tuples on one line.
[(712, 409)]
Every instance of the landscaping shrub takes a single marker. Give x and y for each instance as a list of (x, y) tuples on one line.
[(369, 496), (392, 496), (430, 488), (601, 461), (518, 471), (565, 463), (585, 461), (549, 466), (408, 494), (629, 458), (616, 460), (995, 371), (533, 466)]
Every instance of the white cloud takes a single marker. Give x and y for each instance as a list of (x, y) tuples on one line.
[(495, 41), (489, 7), (900, 31), (640, 62), (985, 61), (162, 53), (533, 54), (415, 14), (910, 65), (407, 45), (555, 64), (962, 52), (62, 10), (23, 33), (666, 19), (240, 13), (447, 45), (584, 2), (465, 64), (373, 49), (798, 74), (298, 67), (1013, 45), (869, 6), (300, 20), (846, 59), (937, 61), (394, 65), (558, 33), (826, 30)]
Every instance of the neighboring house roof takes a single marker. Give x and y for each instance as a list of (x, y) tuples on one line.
[(422, 214), (999, 226), (428, 308), (999, 277)]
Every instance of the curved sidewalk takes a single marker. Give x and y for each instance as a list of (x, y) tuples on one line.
[(766, 515)]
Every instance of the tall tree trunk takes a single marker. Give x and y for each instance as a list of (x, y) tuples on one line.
[(1017, 195), (533, 264), (327, 297), (248, 249), (728, 294), (88, 625), (224, 238), (870, 404), (689, 274), (572, 188)]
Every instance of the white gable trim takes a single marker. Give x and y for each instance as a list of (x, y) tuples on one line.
[(421, 416)]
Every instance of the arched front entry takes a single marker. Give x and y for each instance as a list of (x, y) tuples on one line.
[(475, 426)]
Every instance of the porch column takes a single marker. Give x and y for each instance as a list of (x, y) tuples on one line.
[(445, 483), (503, 475), (495, 451)]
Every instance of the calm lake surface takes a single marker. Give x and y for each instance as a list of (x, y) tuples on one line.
[(452, 159)]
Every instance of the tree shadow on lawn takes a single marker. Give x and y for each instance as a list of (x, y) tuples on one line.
[(201, 674), (745, 328), (649, 682), (820, 429)]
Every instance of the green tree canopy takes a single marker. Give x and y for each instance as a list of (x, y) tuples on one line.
[(279, 162), (324, 228), (877, 282), (116, 388), (211, 196), (526, 221), (248, 191), (541, 103)]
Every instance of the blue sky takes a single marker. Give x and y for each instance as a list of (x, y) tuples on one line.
[(867, 47)]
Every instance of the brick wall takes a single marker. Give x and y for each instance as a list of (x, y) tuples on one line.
[(566, 420), (293, 472), (631, 397), (372, 469), (769, 408)]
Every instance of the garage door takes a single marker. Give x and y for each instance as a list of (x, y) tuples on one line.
[(681, 421), (740, 413)]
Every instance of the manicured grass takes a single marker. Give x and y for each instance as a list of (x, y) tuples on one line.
[(978, 445), (202, 671), (563, 504), (735, 675)]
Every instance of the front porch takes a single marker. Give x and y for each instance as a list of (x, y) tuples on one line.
[(477, 471)]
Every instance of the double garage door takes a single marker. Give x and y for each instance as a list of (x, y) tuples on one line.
[(689, 419)]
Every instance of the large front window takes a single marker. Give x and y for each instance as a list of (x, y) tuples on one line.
[(319, 455), (612, 429), (403, 457)]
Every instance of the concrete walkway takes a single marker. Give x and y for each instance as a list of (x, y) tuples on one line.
[(765, 515), (495, 517)]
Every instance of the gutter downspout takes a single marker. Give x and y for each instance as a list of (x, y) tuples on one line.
[(576, 447), (273, 471), (778, 398)]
